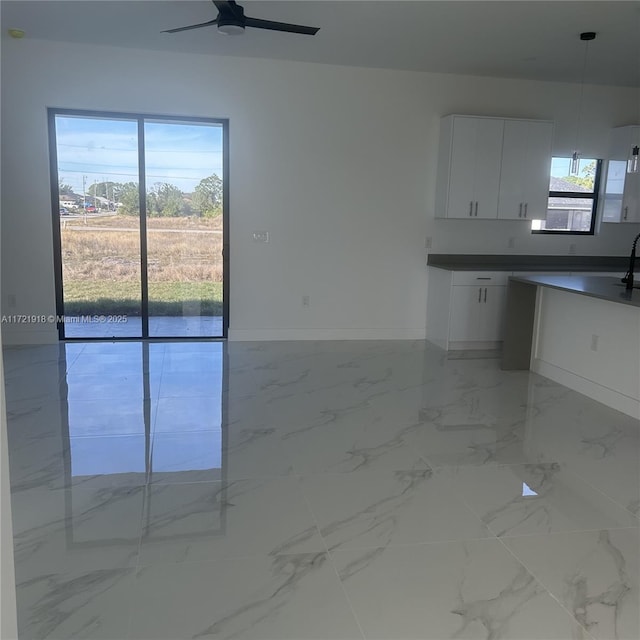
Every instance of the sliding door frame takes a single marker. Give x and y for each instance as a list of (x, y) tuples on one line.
[(140, 119)]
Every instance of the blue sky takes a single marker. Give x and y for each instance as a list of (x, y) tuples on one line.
[(560, 166), (107, 150)]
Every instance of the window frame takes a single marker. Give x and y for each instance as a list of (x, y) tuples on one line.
[(140, 118), (594, 196)]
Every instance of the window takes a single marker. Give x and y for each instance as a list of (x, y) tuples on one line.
[(140, 206), (572, 199)]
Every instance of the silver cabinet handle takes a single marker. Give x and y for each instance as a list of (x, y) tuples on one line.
[(471, 208), (480, 294), (520, 211), (626, 212), (476, 208), (485, 294), (526, 206)]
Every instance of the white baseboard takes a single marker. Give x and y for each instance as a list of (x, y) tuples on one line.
[(465, 345), (609, 397), (442, 344), (238, 335)]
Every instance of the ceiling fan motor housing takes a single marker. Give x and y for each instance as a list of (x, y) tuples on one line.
[(231, 21)]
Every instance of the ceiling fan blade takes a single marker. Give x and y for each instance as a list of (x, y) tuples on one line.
[(280, 26), (193, 26)]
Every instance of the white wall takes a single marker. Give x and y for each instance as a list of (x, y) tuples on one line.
[(8, 614), (337, 163)]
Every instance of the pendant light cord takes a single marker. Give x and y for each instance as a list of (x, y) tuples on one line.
[(581, 102)]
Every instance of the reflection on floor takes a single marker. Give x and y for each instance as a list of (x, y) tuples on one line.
[(315, 490), (131, 327)]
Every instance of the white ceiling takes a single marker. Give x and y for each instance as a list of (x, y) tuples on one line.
[(503, 38)]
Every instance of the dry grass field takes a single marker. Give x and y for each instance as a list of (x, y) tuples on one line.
[(101, 265)]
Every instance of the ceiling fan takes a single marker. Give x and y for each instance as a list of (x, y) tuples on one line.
[(232, 21)]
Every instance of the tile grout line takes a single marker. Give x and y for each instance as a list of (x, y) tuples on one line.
[(548, 591), (329, 556), (584, 479)]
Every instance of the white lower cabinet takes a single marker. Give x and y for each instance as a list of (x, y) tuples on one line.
[(477, 313), (465, 309)]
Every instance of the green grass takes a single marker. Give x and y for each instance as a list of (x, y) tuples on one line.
[(123, 298)]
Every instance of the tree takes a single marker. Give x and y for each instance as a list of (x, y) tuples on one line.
[(104, 189), (207, 197), (127, 195), (165, 199), (587, 177), (63, 188)]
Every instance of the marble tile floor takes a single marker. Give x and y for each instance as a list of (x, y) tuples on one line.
[(348, 490)]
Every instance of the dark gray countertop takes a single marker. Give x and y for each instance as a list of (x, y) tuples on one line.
[(602, 287), (477, 262)]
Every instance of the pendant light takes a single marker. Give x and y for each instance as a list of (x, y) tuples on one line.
[(633, 163), (586, 37)]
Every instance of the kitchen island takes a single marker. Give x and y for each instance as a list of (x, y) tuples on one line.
[(580, 331)]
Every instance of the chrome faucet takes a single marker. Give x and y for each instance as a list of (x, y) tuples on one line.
[(632, 263)]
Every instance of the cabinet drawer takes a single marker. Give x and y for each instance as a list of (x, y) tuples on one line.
[(481, 278)]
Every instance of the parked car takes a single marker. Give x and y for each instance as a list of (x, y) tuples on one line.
[(90, 209), (64, 211)]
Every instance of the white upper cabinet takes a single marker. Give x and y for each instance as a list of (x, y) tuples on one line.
[(524, 175), (493, 168), (469, 167), (620, 199)]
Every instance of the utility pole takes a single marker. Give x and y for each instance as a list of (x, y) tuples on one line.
[(84, 198)]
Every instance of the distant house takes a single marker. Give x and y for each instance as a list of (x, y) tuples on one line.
[(68, 203), (568, 213)]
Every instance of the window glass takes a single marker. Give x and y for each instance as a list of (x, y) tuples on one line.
[(572, 198)]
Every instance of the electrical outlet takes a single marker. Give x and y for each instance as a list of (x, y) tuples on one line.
[(428, 242), (11, 300), (594, 342), (305, 301), (572, 248), (261, 236), (512, 242)]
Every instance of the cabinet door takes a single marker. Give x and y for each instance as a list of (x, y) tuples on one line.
[(524, 178), (461, 194), (474, 175), (621, 194), (492, 313), (477, 313), (631, 199), (488, 162), (621, 197), (465, 323), (613, 191), (537, 170)]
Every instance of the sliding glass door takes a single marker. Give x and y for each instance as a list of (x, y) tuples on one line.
[(126, 274), (184, 223)]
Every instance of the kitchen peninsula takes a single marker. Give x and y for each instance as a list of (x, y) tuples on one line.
[(580, 331)]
